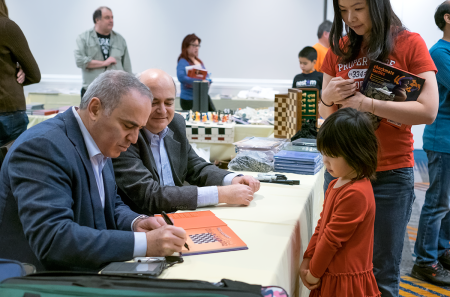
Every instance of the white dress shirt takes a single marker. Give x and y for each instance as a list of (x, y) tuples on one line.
[(98, 161)]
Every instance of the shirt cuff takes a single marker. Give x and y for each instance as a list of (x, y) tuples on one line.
[(207, 196), (140, 244), (228, 178)]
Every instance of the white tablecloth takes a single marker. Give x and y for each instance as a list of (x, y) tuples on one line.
[(276, 227)]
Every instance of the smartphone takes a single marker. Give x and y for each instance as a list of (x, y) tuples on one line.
[(153, 268)]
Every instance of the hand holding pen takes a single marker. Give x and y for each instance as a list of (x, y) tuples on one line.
[(169, 222)]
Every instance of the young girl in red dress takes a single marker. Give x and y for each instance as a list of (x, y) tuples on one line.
[(338, 261)]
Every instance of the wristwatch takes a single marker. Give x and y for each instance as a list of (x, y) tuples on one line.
[(138, 218)]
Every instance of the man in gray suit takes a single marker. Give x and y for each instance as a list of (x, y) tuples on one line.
[(59, 207), (151, 173)]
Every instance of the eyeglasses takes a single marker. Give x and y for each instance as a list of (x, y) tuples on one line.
[(195, 45)]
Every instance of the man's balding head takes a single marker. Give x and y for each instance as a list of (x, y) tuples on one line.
[(163, 106)]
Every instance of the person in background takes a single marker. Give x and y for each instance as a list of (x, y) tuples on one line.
[(374, 32), (18, 68), (432, 246), (188, 57), (151, 173), (100, 48), (309, 78), (338, 260), (322, 46)]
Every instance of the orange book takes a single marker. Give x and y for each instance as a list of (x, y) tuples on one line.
[(197, 73), (206, 233)]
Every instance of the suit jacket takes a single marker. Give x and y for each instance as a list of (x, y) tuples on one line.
[(139, 182), (50, 209)]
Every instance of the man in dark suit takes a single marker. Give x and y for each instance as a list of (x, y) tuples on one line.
[(59, 207), (151, 173)]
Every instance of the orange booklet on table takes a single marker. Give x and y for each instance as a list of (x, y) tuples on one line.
[(206, 233)]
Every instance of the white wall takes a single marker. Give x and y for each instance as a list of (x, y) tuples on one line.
[(257, 39)]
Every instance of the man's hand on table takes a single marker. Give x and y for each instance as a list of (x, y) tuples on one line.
[(165, 241), (235, 194), (148, 224), (248, 180)]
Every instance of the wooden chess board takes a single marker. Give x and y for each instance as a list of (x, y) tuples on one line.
[(291, 109)]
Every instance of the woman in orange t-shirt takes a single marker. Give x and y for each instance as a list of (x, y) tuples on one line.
[(374, 32), (338, 260)]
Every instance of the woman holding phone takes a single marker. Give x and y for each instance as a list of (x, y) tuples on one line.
[(374, 32)]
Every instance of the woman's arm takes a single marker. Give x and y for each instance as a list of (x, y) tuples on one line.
[(181, 73), (334, 89), (422, 111)]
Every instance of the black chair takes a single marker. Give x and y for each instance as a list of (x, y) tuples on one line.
[(3, 150)]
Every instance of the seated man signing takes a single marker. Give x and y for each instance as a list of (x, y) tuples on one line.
[(59, 207), (151, 173)]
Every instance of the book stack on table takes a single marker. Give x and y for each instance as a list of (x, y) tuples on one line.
[(298, 162)]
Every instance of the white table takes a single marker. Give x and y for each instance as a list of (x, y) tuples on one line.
[(276, 227)]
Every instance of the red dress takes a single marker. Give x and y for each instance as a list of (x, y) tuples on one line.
[(341, 248)]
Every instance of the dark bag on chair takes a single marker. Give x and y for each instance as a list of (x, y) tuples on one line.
[(91, 284)]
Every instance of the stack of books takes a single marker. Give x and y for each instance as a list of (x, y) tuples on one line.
[(298, 162)]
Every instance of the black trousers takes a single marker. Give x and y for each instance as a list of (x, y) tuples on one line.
[(186, 104)]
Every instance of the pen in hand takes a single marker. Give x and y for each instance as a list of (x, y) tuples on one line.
[(169, 222)]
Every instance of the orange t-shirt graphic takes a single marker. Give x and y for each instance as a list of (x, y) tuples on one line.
[(410, 54)]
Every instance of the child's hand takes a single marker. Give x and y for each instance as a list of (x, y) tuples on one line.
[(311, 279), (304, 271)]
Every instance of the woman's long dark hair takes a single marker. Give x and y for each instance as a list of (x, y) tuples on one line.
[(184, 48), (385, 28)]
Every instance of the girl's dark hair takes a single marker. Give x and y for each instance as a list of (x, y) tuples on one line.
[(441, 11), (385, 28), (184, 48), (348, 133)]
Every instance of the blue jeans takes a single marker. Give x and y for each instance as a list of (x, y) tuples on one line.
[(12, 124), (434, 226), (394, 197)]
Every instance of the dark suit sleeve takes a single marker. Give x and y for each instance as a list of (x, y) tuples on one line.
[(202, 173), (43, 175), (136, 181)]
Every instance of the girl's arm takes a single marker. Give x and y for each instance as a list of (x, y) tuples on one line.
[(348, 212), (312, 243), (422, 111)]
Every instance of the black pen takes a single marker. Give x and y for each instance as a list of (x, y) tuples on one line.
[(284, 182), (169, 222)]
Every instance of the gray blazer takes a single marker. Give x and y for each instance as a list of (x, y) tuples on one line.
[(139, 183)]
